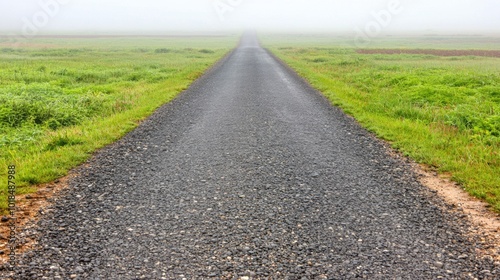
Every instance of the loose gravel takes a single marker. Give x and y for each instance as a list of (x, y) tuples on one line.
[(250, 174)]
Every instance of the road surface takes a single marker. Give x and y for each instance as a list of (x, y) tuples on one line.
[(250, 174)]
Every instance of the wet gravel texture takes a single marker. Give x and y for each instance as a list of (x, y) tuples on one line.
[(250, 174)]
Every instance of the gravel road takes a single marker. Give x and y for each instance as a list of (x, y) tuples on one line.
[(250, 174)]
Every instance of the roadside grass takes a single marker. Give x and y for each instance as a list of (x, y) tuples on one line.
[(58, 104), (441, 111)]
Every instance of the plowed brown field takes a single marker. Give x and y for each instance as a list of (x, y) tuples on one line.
[(488, 53)]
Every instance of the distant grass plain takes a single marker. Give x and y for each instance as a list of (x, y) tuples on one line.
[(442, 111), (63, 98)]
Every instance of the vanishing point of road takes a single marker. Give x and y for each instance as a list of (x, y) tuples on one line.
[(250, 174)]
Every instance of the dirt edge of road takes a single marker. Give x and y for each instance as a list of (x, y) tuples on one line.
[(29, 209), (484, 222)]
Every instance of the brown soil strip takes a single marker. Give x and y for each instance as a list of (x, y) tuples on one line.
[(29, 208), (29, 45), (486, 53), (486, 223)]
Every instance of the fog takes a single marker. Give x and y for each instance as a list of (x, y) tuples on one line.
[(32, 17)]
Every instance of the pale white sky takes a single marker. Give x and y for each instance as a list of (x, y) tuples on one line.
[(156, 16)]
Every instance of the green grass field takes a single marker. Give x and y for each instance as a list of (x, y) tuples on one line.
[(61, 99), (441, 111)]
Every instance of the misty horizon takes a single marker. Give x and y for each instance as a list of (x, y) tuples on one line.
[(379, 17)]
